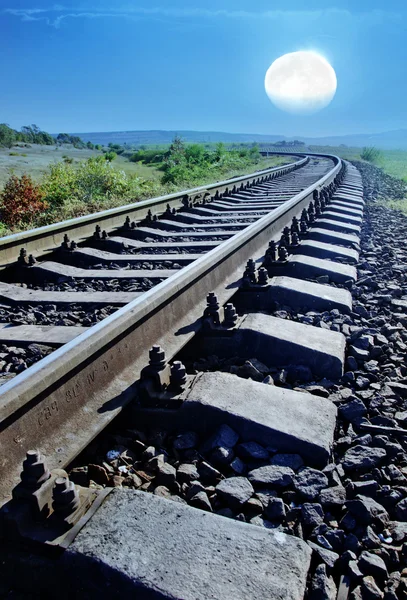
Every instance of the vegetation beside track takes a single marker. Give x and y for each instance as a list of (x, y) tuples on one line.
[(387, 190), (393, 162), (73, 187)]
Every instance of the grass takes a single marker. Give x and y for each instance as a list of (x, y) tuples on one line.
[(393, 162), (153, 171), (36, 159)]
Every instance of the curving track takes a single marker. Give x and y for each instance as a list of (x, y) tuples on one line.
[(286, 237)]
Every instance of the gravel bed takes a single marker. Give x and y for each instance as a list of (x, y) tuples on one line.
[(49, 314), (98, 285), (142, 265), (15, 359), (172, 250), (353, 513), (184, 238)]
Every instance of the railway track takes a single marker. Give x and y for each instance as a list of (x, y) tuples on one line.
[(72, 286), (209, 274)]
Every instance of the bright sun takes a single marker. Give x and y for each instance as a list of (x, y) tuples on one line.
[(301, 82)]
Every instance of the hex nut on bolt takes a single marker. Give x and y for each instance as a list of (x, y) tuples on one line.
[(178, 377), (35, 471), (212, 308), (230, 315), (262, 276), (65, 497), (157, 358)]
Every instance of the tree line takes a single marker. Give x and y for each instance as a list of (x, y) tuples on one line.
[(32, 134)]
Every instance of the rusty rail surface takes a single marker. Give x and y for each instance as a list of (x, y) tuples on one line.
[(61, 403), (43, 240)]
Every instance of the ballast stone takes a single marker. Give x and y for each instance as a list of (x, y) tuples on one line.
[(292, 422), (139, 545)]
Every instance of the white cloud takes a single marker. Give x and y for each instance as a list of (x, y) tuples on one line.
[(55, 15)]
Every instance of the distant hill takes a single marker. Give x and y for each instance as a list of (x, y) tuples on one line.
[(388, 140), (166, 137)]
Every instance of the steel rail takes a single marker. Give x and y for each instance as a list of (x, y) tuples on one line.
[(44, 240), (62, 402)]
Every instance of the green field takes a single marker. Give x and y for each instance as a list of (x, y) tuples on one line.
[(34, 160), (75, 182), (393, 162), (144, 179)]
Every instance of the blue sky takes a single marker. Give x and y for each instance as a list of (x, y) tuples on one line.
[(185, 64)]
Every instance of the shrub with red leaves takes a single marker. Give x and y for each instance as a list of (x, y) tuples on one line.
[(21, 201)]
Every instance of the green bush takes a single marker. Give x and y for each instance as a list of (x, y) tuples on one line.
[(95, 179), (370, 154), (110, 156), (4, 230), (69, 190), (195, 162), (148, 156), (58, 184)]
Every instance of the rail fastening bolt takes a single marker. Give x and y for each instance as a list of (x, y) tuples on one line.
[(262, 276), (304, 216), (22, 259), (65, 497), (212, 301), (157, 358), (230, 315), (282, 253), (295, 239), (295, 227), (271, 252), (35, 471), (286, 235), (178, 376), (212, 308), (250, 271)]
